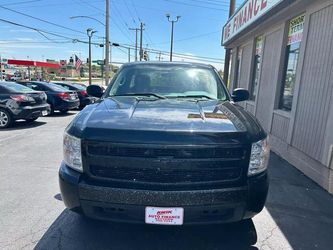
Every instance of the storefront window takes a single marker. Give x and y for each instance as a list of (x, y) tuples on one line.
[(292, 54), (256, 67)]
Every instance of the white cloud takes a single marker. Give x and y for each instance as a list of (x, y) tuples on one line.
[(24, 39), (21, 31), (74, 51)]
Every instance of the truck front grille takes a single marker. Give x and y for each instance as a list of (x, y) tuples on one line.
[(159, 165), (167, 175)]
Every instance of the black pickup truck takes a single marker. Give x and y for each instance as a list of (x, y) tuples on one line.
[(165, 144)]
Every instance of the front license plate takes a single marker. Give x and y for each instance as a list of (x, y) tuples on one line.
[(164, 215), (44, 113)]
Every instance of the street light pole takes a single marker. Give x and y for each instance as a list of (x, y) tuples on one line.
[(90, 33), (172, 27), (107, 42)]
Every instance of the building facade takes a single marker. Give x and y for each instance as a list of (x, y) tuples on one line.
[(282, 52)]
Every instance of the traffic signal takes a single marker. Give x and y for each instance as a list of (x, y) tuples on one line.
[(145, 56)]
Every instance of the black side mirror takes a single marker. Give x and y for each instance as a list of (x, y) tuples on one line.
[(95, 91), (240, 94)]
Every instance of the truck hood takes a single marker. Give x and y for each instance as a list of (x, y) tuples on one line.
[(171, 115)]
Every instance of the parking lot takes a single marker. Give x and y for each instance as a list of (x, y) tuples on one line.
[(298, 213)]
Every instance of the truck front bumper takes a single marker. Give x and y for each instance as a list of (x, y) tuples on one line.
[(128, 205)]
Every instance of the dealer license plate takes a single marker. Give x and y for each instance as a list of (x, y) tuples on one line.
[(164, 215), (44, 113)]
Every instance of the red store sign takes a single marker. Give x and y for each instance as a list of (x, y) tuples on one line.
[(249, 12)]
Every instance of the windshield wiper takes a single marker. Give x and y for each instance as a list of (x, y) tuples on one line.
[(194, 96), (143, 94)]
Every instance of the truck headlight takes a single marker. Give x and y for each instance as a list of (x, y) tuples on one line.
[(72, 152), (259, 157)]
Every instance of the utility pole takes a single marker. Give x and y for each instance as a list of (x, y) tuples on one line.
[(107, 42), (90, 33), (172, 26), (227, 50), (141, 33), (159, 56), (136, 42), (129, 54)]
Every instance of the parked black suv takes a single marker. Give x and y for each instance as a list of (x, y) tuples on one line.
[(18, 102), (166, 144), (58, 97)]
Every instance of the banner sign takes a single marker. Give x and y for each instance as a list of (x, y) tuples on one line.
[(296, 27), (248, 13)]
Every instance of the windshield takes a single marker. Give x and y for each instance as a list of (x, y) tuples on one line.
[(14, 87), (169, 81), (55, 87), (80, 87)]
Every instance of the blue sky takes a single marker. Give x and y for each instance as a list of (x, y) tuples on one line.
[(197, 33)]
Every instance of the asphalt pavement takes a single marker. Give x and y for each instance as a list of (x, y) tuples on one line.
[(298, 213)]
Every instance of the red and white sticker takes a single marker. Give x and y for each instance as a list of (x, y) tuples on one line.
[(164, 216)]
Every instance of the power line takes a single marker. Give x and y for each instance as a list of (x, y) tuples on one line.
[(35, 42), (140, 20), (190, 38), (47, 5), (178, 54), (116, 10), (136, 11), (129, 11), (32, 28), (44, 32), (188, 57), (40, 31), (22, 2), (211, 3), (41, 20), (195, 5), (114, 21)]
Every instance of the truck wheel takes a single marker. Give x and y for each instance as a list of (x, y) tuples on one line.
[(6, 119)]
